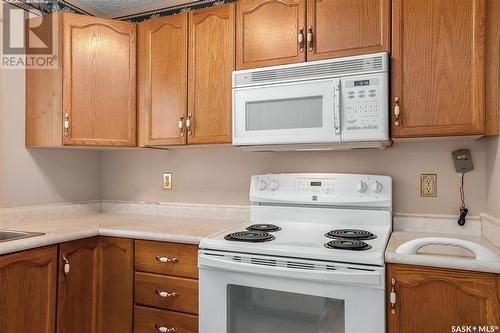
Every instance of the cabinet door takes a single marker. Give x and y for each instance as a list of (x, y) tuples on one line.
[(438, 71), (434, 300), (115, 305), (211, 62), (347, 27), (28, 291), (78, 289), (267, 32), (99, 83), (162, 82)]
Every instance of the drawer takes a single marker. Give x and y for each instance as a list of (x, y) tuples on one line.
[(167, 258), (166, 292), (147, 320)]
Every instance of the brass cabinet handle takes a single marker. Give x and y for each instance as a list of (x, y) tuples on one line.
[(165, 294), (163, 328), (392, 296), (188, 124), (181, 125), (310, 38), (397, 112), (301, 40), (66, 124)]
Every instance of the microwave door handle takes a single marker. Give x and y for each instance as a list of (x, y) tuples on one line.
[(336, 112)]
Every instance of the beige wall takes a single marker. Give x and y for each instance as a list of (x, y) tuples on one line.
[(493, 176), (38, 176), (221, 175)]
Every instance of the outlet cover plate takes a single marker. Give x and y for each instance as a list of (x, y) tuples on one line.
[(167, 180), (428, 185)]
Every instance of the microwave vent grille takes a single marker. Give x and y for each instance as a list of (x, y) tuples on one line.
[(335, 68)]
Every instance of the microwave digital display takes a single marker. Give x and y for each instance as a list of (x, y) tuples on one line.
[(361, 83), (315, 183)]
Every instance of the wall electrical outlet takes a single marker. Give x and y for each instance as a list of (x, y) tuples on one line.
[(167, 180), (428, 185)]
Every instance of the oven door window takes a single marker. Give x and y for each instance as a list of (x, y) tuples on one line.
[(251, 310)]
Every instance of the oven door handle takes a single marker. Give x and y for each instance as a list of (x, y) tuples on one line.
[(341, 275)]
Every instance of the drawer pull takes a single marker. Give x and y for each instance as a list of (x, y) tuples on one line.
[(162, 328), (166, 259), (165, 294)]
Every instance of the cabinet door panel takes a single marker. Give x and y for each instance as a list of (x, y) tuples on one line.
[(28, 291), (211, 62), (162, 80), (347, 27), (438, 67), (267, 32), (78, 290), (99, 84), (115, 306), (434, 300)]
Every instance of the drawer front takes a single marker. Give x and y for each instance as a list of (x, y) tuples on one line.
[(147, 320), (167, 258), (166, 292)]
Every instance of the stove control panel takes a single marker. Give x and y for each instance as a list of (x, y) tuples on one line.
[(325, 189)]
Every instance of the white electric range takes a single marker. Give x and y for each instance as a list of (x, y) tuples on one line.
[(311, 258)]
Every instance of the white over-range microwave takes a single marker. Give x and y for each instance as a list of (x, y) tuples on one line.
[(340, 103)]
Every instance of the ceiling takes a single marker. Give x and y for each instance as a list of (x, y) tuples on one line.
[(115, 8)]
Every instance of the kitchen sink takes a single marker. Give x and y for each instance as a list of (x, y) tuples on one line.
[(9, 235)]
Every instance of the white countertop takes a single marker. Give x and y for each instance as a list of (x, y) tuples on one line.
[(441, 256), (160, 228)]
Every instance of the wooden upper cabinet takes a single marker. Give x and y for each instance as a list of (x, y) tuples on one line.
[(211, 62), (347, 27), (438, 67), (90, 98), (28, 291), (162, 80), (434, 300), (267, 32)]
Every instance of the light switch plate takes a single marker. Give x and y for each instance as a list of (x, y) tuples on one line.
[(428, 185), (167, 180)]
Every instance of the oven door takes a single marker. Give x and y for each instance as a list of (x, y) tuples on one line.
[(242, 293), (299, 112)]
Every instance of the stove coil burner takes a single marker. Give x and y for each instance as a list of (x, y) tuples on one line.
[(347, 244), (264, 227), (351, 234), (250, 236)]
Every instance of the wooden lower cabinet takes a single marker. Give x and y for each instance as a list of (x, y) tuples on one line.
[(166, 287), (28, 291), (148, 320), (434, 300), (95, 294)]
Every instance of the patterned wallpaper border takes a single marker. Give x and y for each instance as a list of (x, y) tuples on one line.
[(40, 7), (172, 10)]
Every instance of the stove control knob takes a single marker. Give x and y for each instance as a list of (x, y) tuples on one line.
[(273, 186), (361, 186), (376, 187), (261, 185)]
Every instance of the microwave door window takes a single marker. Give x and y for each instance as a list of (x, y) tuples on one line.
[(285, 113), (251, 310)]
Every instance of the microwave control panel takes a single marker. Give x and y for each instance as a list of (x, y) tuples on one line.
[(364, 101)]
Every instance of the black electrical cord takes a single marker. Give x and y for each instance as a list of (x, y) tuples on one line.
[(463, 209)]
